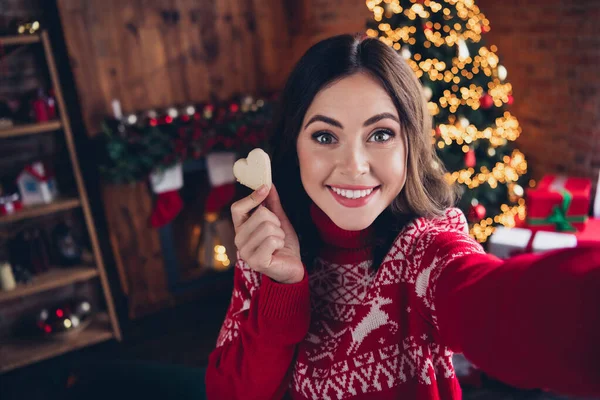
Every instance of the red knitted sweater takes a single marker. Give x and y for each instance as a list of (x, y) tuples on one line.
[(349, 332)]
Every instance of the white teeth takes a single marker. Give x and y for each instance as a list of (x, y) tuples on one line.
[(352, 194)]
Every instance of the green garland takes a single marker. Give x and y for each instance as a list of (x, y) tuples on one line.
[(131, 148)]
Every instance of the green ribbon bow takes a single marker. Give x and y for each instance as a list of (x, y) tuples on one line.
[(558, 216)]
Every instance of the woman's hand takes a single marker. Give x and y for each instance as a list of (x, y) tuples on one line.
[(265, 238)]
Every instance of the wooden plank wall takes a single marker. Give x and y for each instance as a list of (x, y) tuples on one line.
[(156, 53)]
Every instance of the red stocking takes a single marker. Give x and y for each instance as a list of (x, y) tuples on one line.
[(219, 196), (168, 205)]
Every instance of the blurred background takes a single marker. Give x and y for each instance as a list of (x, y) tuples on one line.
[(120, 122)]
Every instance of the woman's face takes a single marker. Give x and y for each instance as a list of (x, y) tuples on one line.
[(352, 152)]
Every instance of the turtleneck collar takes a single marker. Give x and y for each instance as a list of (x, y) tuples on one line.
[(341, 245)]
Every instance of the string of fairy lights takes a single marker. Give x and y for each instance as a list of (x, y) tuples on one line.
[(464, 67)]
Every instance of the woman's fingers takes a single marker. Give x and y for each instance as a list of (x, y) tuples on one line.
[(240, 210), (264, 230), (260, 258), (248, 229)]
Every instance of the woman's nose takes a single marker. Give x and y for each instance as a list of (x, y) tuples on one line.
[(354, 162)]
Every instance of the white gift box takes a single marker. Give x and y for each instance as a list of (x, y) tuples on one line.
[(168, 179), (506, 242), (545, 241)]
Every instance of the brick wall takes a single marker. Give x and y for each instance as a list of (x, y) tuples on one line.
[(551, 50)]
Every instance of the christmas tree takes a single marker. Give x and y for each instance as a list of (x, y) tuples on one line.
[(467, 93)]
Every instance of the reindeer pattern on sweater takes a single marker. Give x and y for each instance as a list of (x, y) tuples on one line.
[(371, 330), (374, 330)]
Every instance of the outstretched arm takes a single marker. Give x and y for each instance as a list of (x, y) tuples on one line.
[(532, 321)]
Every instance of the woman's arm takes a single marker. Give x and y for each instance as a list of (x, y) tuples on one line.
[(257, 343), (532, 321)]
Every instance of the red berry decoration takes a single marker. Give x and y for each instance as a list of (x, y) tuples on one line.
[(511, 99), (480, 211), (477, 213), (486, 101), (470, 160)]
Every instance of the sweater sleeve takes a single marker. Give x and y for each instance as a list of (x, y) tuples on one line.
[(532, 321), (257, 341)]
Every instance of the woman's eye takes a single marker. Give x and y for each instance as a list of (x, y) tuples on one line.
[(323, 138), (381, 136)]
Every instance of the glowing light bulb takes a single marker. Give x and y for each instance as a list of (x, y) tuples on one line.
[(518, 190), (428, 92), (172, 112), (502, 72), (463, 50), (405, 53)]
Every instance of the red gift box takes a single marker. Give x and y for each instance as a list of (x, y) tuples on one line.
[(559, 204), (10, 204), (591, 233)]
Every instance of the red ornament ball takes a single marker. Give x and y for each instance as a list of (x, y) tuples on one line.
[(470, 160), (477, 213), (511, 99), (480, 211), (486, 101)]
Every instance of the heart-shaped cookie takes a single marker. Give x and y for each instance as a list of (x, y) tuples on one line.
[(253, 171)]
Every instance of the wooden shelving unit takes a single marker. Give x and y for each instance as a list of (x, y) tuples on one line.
[(19, 352), (54, 278), (19, 40), (30, 129), (40, 210)]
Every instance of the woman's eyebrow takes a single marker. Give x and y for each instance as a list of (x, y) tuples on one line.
[(336, 123)]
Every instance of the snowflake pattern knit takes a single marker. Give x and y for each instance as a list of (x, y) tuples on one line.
[(373, 334)]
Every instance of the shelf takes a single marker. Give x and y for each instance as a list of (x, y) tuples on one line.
[(55, 278), (39, 210), (30, 129), (21, 39), (16, 353)]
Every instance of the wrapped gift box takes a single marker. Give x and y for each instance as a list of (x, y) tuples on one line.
[(506, 242), (546, 241), (591, 233), (559, 204), (10, 204)]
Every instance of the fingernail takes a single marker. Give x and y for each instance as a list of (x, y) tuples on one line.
[(262, 190)]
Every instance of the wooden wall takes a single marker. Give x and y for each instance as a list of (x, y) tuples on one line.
[(157, 53)]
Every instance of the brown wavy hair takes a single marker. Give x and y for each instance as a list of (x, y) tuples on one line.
[(425, 194)]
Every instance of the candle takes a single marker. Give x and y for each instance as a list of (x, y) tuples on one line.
[(7, 278), (116, 106)]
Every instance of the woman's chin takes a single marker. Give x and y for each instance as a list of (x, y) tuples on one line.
[(350, 223)]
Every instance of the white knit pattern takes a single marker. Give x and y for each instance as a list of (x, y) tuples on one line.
[(367, 310), (352, 300)]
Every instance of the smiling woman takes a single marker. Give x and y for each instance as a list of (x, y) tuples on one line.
[(351, 153), (349, 121), (360, 280)]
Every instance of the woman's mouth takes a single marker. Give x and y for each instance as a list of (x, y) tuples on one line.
[(353, 198)]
